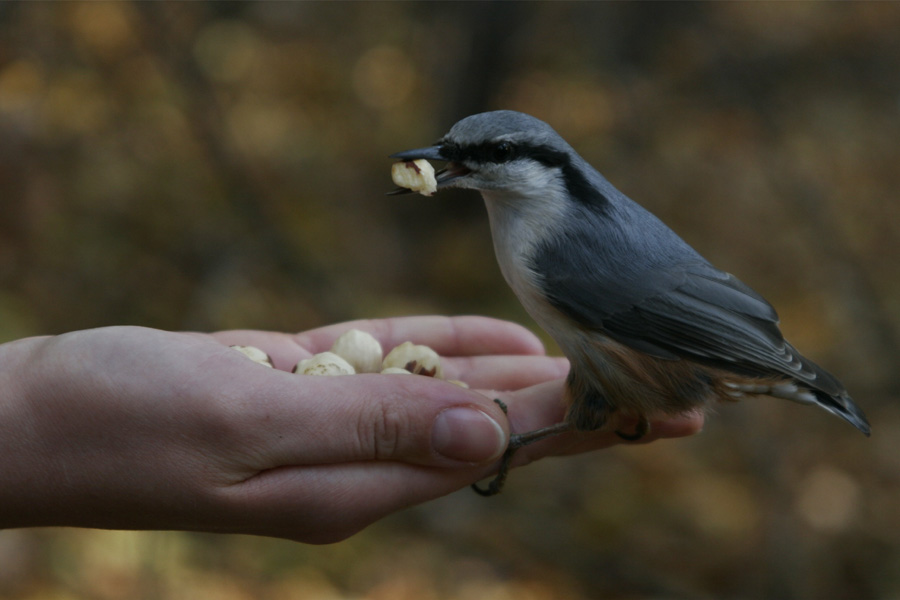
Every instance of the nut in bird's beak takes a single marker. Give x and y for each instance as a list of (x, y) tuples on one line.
[(451, 172)]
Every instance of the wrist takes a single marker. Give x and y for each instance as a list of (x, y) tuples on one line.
[(21, 470)]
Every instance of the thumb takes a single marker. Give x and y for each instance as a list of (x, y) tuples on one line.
[(353, 418)]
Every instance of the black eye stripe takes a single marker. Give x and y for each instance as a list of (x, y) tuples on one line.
[(578, 186), (501, 152)]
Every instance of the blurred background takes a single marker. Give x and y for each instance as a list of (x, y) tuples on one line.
[(223, 165)]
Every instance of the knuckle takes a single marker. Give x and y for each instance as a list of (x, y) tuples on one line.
[(382, 429)]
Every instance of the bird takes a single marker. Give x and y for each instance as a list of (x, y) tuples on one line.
[(649, 326)]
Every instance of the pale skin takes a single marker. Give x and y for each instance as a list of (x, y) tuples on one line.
[(134, 428)]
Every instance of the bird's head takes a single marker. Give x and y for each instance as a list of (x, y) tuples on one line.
[(504, 151)]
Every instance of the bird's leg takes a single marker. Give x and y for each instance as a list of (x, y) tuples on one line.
[(496, 484), (640, 430), (516, 441)]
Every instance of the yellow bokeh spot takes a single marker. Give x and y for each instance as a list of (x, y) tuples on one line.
[(21, 83)]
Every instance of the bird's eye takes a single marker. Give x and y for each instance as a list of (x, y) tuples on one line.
[(502, 152)]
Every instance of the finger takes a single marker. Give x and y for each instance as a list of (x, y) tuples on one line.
[(282, 348), (306, 420), (340, 500), (534, 407), (448, 336), (544, 404), (675, 427), (505, 372), (337, 500)]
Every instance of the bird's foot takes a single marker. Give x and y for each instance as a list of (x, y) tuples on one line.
[(640, 430), (516, 441)]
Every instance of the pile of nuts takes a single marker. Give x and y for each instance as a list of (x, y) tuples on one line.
[(359, 352)]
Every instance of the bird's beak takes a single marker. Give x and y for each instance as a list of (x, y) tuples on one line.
[(451, 172), (430, 153)]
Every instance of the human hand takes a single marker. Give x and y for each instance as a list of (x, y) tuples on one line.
[(136, 428)]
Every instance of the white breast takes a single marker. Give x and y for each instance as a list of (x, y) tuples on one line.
[(520, 220)]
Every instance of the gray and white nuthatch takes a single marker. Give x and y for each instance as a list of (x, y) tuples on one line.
[(649, 326)]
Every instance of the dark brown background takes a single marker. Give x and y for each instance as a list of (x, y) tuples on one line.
[(217, 165)]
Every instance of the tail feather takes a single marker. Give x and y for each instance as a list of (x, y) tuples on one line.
[(844, 407), (807, 383), (831, 395)]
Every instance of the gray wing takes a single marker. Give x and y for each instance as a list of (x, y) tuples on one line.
[(690, 311)]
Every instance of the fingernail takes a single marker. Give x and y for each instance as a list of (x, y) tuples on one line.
[(467, 434)]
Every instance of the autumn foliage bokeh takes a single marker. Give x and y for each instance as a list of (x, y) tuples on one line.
[(221, 165)]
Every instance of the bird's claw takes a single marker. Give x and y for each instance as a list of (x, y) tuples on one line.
[(640, 430), (516, 441)]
